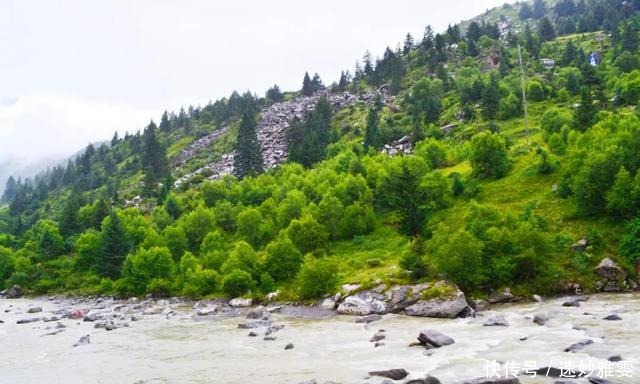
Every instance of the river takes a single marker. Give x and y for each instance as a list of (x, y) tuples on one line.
[(192, 349)]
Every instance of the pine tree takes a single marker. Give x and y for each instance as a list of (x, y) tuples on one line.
[(408, 44), (368, 66), (114, 247), (525, 11), (248, 159), (307, 89), (539, 9), (69, 224), (545, 30), (344, 81), (491, 97), (154, 158), (165, 124), (584, 116), (10, 190), (427, 39), (372, 135), (274, 94)]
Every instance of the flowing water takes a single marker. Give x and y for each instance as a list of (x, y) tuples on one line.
[(183, 349)]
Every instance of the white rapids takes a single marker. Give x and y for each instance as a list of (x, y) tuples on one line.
[(187, 349)]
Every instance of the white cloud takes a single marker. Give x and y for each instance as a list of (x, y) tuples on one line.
[(47, 124)]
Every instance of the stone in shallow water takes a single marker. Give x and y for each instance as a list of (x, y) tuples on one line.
[(578, 346), (393, 374), (540, 319), (434, 339), (612, 317), (496, 321)]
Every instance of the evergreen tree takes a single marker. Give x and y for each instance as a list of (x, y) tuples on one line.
[(114, 247), (491, 97), (584, 116), (474, 32), (307, 89), (427, 39), (10, 190), (115, 139), (344, 81), (248, 159), (539, 9), (408, 44), (307, 140), (69, 224), (274, 94), (545, 30), (372, 135), (368, 66), (525, 11), (154, 159), (316, 83), (165, 124)]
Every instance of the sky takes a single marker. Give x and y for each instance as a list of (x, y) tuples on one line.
[(76, 71)]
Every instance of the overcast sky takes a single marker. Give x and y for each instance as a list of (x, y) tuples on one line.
[(76, 71)]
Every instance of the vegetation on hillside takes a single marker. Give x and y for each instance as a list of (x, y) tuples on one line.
[(485, 203)]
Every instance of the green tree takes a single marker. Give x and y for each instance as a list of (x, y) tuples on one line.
[(488, 155), (585, 115), (307, 88), (243, 258), (630, 244), (620, 198), (401, 191), (145, 265), (274, 94), (491, 96), (283, 259), (237, 283), (425, 101), (372, 137), (546, 30), (539, 9), (458, 256), (308, 140), (6, 265), (250, 226), (48, 240), (248, 159), (307, 234), (115, 247), (87, 247), (317, 277)]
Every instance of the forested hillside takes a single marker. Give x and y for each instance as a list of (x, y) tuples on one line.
[(414, 166)]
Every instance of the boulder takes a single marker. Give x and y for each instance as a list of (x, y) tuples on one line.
[(571, 303), (612, 317), (206, 311), (258, 313), (273, 328), (378, 336), (537, 298), (599, 380), (240, 302), (504, 296), (540, 319), (427, 380), (84, 340), (442, 307), (354, 305), (252, 334), (15, 292), (481, 305), (580, 245), (615, 358), (496, 321), (328, 304), (434, 339), (578, 346), (393, 374), (368, 319), (30, 320), (288, 346), (251, 324), (610, 270), (269, 338), (34, 310)]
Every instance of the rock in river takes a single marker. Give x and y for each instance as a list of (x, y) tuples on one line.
[(496, 321), (540, 319), (34, 310), (578, 346), (393, 374), (15, 292), (612, 317), (434, 339), (443, 307)]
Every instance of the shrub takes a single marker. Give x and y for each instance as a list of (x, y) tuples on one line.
[(488, 155), (317, 277), (307, 234), (283, 259), (237, 283), (142, 267)]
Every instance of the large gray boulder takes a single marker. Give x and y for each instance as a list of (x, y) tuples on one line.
[(447, 306), (504, 296), (540, 319), (496, 321), (610, 270), (578, 346), (15, 292), (434, 339), (363, 303)]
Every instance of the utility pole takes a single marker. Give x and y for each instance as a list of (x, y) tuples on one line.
[(524, 96)]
